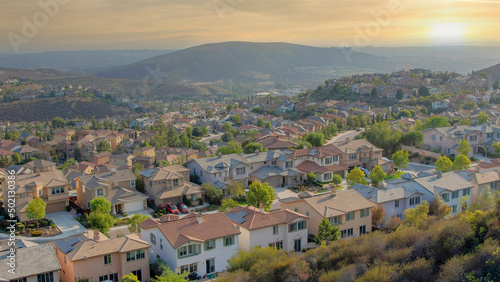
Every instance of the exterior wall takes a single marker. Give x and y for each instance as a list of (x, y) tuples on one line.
[(305, 209), (264, 236), (221, 254), (34, 278)]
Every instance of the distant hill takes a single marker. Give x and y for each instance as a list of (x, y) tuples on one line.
[(493, 72), (65, 107), (77, 61), (251, 62)]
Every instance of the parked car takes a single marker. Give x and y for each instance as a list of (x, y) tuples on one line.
[(172, 208), (183, 208)]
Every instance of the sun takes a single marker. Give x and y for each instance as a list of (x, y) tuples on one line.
[(447, 33)]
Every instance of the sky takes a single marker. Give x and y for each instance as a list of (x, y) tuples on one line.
[(55, 25)]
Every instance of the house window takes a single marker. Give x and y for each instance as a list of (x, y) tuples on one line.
[(441, 138), (210, 265), (454, 209), (201, 173), (100, 192), (396, 204), (328, 160), (414, 201), (228, 241), (346, 233), (240, 170), (365, 212), (190, 267), (176, 182), (152, 238), (131, 256), (350, 216), (327, 176), (352, 156), (111, 277), (362, 230), (273, 162), (433, 136), (335, 220), (140, 254), (209, 245), (336, 159), (473, 138), (40, 192), (446, 197), (275, 229), (65, 261), (161, 244), (454, 195), (107, 259), (277, 245), (46, 277), (132, 183), (296, 226), (188, 250), (19, 280), (466, 192), (57, 190)]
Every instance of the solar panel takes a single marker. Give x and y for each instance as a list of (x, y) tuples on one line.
[(235, 218), (73, 240), (241, 214), (64, 246)]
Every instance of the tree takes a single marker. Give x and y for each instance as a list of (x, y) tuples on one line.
[(227, 137), (130, 278), (438, 208), (463, 147), (337, 179), (461, 162), (226, 127), (104, 146), (482, 118), (16, 158), (378, 216), (419, 126), (197, 131), (227, 204), (134, 221), (236, 119), (268, 125), (483, 75), (424, 110), (414, 216), (401, 159), (399, 94), (36, 210), (311, 177), (423, 91), (100, 204), (213, 195), (232, 148), (376, 176), (326, 232), (317, 139), (260, 193), (404, 113), (464, 121), (236, 189), (99, 217), (260, 122), (251, 147), (184, 140), (437, 121), (496, 84), (496, 148), (356, 175), (204, 130), (58, 122), (444, 164), (374, 92)]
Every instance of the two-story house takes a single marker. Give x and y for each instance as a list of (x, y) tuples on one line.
[(95, 257), (121, 160), (195, 243), (361, 153), (144, 151), (51, 186), (324, 162), (221, 169), (273, 167), (118, 187), (100, 159), (347, 209), (284, 229), (170, 184)]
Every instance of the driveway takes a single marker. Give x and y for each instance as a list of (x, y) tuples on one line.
[(416, 168), (66, 223), (343, 136)]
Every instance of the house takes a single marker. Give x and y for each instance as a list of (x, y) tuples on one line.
[(394, 201), (147, 162), (97, 258), (361, 153), (483, 181), (274, 143), (221, 169), (170, 184), (441, 104), (324, 162), (347, 209), (39, 165), (115, 139), (273, 167), (141, 122), (33, 264), (85, 167), (195, 243), (286, 230), (101, 158), (285, 106), (51, 186), (121, 160), (144, 151), (484, 167), (118, 187)]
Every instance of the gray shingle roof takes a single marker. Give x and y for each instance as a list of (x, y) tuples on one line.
[(217, 164), (450, 181), (268, 171), (30, 261), (94, 180), (383, 195), (265, 156)]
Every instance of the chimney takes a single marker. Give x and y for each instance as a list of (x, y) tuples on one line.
[(160, 164), (219, 154), (439, 174), (347, 139), (262, 208), (256, 151), (97, 234), (455, 125), (346, 150), (333, 192), (113, 171), (199, 218)]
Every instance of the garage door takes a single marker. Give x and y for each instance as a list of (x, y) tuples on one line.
[(55, 207), (133, 206)]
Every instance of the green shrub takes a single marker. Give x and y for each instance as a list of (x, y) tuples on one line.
[(52, 224), (85, 216), (125, 214), (21, 228), (68, 208), (36, 233)]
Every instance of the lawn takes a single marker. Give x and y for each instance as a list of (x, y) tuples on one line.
[(394, 175)]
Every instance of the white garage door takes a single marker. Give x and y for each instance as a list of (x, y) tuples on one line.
[(133, 206)]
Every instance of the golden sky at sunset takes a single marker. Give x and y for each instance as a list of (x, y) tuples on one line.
[(169, 24)]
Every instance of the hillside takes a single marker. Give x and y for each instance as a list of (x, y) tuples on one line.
[(252, 62), (493, 72), (65, 107)]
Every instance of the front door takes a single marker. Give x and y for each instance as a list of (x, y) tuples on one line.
[(297, 246), (138, 273), (210, 265), (284, 181), (118, 208)]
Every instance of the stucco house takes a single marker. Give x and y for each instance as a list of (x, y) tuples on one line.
[(195, 243)]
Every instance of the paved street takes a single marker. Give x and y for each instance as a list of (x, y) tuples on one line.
[(416, 168), (343, 136)]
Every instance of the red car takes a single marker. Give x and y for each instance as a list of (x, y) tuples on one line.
[(172, 208), (183, 208)]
